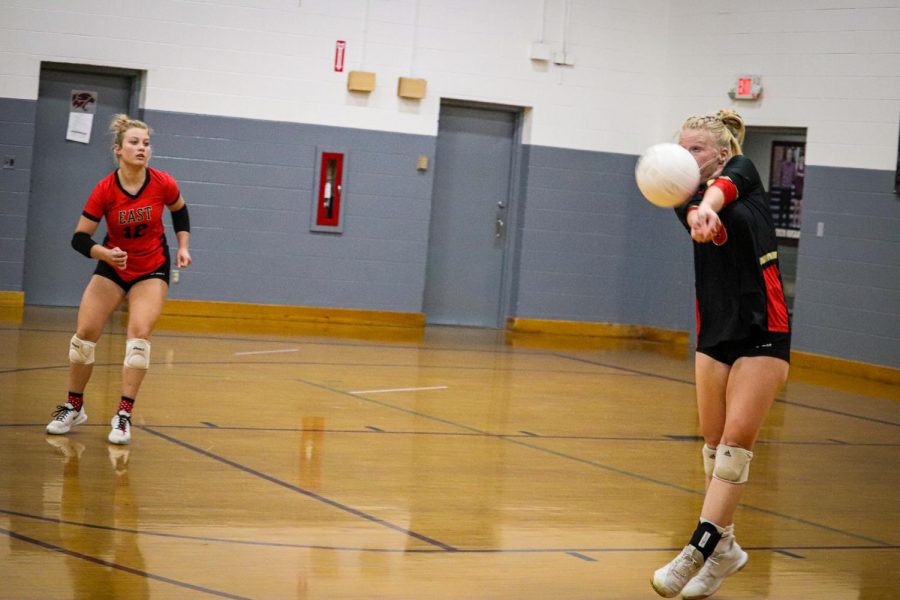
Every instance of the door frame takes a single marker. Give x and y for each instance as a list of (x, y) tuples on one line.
[(135, 82), (135, 76), (514, 202)]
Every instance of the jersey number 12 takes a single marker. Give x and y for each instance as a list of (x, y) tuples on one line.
[(137, 232)]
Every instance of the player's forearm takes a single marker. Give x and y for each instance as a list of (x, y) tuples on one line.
[(184, 239), (714, 198)]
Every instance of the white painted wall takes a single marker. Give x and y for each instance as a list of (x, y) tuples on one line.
[(273, 59), (641, 66), (609, 99), (832, 66)]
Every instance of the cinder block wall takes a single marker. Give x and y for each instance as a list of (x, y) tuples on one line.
[(232, 86)]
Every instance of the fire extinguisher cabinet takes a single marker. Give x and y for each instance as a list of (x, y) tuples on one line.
[(329, 191)]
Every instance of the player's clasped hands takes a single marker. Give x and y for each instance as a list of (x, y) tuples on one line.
[(704, 224), (116, 257)]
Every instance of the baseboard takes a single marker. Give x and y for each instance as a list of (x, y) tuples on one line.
[(845, 367), (293, 314), (12, 299), (584, 328)]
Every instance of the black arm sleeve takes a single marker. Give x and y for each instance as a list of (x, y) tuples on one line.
[(181, 220), (83, 243)]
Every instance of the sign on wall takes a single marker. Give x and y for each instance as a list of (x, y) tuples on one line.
[(82, 106), (340, 50)]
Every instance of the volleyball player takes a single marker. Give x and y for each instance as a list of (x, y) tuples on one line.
[(133, 262), (743, 341)]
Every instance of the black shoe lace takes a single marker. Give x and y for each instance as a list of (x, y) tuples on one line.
[(123, 419), (61, 412)]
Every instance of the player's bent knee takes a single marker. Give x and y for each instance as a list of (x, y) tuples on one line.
[(137, 353), (81, 351), (709, 460), (732, 464)]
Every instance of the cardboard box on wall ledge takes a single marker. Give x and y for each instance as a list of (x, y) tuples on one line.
[(361, 81), (408, 87)]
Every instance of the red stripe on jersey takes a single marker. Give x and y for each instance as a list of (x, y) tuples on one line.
[(729, 190), (776, 308)]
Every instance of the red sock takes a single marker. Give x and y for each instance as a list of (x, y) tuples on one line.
[(76, 400), (126, 404)]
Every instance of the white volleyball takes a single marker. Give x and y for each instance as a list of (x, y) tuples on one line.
[(667, 174)]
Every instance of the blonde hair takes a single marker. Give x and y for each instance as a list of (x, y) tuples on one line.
[(726, 126), (119, 125)]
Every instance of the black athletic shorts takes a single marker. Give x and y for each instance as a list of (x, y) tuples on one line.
[(161, 272), (760, 343)]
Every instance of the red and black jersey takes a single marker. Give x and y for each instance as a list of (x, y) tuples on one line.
[(134, 223), (738, 283)]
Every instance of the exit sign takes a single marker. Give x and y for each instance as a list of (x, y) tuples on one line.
[(747, 87)]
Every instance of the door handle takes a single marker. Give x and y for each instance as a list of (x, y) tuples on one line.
[(500, 220)]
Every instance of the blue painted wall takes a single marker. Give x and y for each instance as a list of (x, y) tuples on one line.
[(16, 140), (592, 249), (589, 248), (249, 185), (848, 280)]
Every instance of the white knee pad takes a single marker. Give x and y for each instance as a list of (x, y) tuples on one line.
[(137, 353), (81, 351), (709, 460), (732, 464)]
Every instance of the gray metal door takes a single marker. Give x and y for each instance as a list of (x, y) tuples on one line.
[(63, 173), (467, 243)]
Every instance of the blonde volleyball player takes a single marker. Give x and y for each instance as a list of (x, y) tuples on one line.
[(743, 341), (133, 261)]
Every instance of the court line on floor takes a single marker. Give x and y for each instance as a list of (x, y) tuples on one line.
[(626, 370), (294, 545), (295, 488), (362, 344), (665, 438), (597, 363), (581, 556), (256, 352), (408, 389), (309, 363), (106, 563), (523, 434), (591, 463), (691, 383)]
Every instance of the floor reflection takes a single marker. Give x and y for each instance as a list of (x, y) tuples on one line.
[(105, 499)]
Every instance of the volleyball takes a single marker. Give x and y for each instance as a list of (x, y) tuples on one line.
[(667, 174)]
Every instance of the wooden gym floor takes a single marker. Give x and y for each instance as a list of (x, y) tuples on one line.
[(278, 461)]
